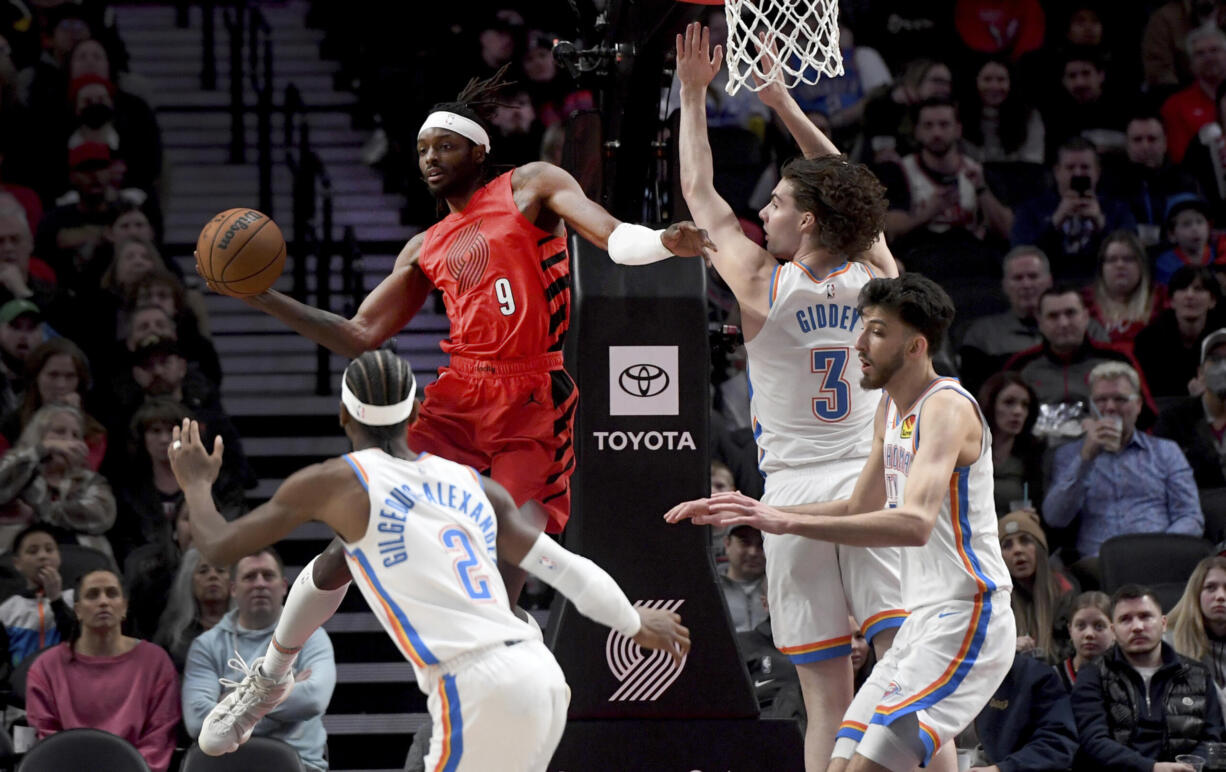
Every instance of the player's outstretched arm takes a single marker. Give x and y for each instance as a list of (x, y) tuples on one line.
[(305, 495), (746, 267), (384, 312), (587, 585)]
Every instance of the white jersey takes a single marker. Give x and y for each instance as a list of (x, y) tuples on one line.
[(962, 559), (805, 394), (428, 563)]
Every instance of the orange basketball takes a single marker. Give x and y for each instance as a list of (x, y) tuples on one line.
[(240, 252)]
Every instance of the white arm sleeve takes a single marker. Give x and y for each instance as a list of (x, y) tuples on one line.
[(631, 244), (586, 584)]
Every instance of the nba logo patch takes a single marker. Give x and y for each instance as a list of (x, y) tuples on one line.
[(908, 426), (829, 290)]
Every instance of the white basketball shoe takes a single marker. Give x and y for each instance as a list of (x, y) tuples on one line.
[(229, 724)]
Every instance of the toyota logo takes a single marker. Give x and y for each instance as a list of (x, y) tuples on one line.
[(644, 380)]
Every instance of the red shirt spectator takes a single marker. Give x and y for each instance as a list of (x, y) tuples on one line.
[(1008, 27), (1187, 110)]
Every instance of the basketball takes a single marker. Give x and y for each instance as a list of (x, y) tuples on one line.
[(240, 252)]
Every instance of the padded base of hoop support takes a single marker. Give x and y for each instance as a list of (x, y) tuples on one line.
[(674, 745)]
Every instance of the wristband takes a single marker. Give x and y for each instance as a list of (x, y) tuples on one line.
[(594, 593), (631, 244)]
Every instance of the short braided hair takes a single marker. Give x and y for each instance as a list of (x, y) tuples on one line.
[(380, 377)]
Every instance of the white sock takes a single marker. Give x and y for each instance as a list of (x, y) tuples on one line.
[(306, 608)]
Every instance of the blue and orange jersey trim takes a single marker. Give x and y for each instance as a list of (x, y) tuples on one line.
[(402, 630), (930, 740), (869, 270), (453, 726), (883, 620), (358, 470), (936, 385), (819, 651), (842, 269), (774, 291), (852, 730)]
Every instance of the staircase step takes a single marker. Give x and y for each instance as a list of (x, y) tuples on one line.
[(296, 446), (388, 723), (210, 136)]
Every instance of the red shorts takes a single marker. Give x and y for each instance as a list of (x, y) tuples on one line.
[(511, 419)]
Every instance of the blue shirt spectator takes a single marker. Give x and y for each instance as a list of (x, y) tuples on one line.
[(1028, 724), (1115, 480)]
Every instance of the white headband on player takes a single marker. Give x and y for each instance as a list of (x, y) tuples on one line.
[(465, 127), (378, 415)]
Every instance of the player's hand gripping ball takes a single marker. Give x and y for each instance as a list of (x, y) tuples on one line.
[(240, 252)]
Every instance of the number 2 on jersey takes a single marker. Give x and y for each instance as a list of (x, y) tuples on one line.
[(506, 298), (833, 401), (476, 585)]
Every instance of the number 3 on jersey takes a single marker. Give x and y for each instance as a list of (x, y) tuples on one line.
[(476, 585), (833, 401)]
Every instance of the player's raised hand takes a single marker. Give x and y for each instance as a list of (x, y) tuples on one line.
[(734, 508), (771, 91), (662, 630), (687, 510), (190, 462), (696, 62), (685, 239)]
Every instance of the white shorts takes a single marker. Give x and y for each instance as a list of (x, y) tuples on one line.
[(812, 586), (946, 663), (502, 707)]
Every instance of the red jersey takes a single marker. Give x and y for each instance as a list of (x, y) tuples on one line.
[(505, 282)]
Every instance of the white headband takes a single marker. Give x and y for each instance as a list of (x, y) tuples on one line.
[(465, 127), (378, 415)]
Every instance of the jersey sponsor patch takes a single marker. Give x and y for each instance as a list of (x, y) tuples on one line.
[(908, 427)]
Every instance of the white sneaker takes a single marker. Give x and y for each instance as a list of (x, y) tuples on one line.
[(229, 724)]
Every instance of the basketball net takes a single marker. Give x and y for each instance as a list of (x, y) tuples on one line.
[(804, 34)]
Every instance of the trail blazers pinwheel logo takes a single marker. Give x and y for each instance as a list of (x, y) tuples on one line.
[(644, 675)]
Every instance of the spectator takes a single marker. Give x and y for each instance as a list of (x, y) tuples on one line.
[(1169, 348), (1206, 158), (96, 325), (45, 83), (843, 98), (742, 110), (186, 309), (148, 492), (555, 97), (1164, 47), (1198, 423), (20, 331), (1027, 725), (1058, 369), (863, 656), (22, 276), (997, 123), (1189, 228), (1000, 27), (742, 577), (940, 191), (1187, 110), (1116, 480), (776, 684), (40, 614), (150, 570), (258, 587), (1198, 621), (1123, 300), (1086, 106), (1038, 590), (46, 475), (1147, 180), (888, 120), (1089, 628), (990, 341), (69, 233), (1069, 223), (1143, 704), (59, 375), (721, 478), (102, 679), (154, 316), (198, 599), (1011, 409)]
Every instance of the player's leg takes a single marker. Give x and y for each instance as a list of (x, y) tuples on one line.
[(827, 689), (313, 599)]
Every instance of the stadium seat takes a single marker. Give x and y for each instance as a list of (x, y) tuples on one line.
[(83, 749), (256, 755), (1213, 504), (1161, 561), (76, 561)]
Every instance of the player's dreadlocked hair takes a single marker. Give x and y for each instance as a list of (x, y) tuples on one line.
[(380, 377), (478, 100)]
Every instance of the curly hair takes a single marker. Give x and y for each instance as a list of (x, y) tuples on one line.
[(847, 199)]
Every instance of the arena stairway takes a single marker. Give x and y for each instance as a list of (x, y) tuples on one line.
[(269, 382)]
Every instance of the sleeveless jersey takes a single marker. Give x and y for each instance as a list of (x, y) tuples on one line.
[(922, 187), (804, 383), (427, 564), (505, 282), (962, 558)]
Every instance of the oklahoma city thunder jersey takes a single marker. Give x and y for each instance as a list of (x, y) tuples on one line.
[(805, 396), (505, 282), (962, 559), (427, 564)]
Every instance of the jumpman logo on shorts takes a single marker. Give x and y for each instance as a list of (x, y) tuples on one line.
[(532, 400)]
